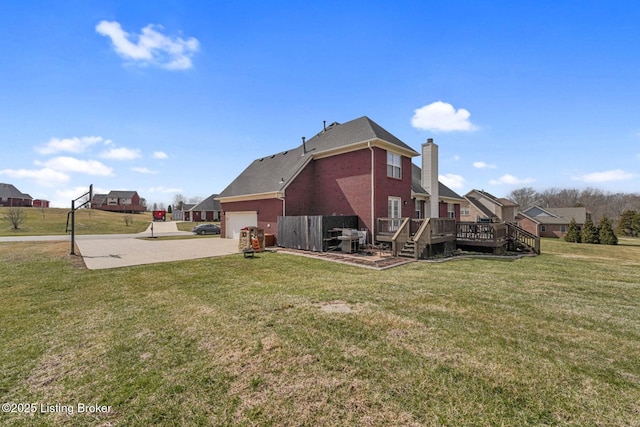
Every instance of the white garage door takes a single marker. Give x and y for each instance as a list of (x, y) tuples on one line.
[(234, 221)]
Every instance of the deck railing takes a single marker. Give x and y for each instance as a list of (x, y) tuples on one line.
[(491, 233), (523, 236), (401, 236)]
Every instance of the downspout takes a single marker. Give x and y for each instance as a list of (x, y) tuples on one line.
[(373, 224)]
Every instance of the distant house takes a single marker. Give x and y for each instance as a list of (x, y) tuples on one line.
[(551, 222), (353, 169), (118, 201), (479, 205), (11, 196), (182, 213), (206, 210), (40, 203)]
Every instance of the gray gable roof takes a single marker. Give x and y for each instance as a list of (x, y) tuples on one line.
[(273, 173), (416, 186), (121, 193), (556, 215), (10, 191), (208, 204)]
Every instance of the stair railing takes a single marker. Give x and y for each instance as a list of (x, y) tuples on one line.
[(401, 236)]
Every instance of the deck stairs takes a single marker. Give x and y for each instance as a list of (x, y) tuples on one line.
[(408, 250)]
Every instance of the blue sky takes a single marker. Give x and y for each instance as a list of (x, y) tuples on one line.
[(178, 97)]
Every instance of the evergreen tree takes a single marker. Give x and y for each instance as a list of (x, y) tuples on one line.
[(605, 232), (589, 232), (573, 235), (625, 223)]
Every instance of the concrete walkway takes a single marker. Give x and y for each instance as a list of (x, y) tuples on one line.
[(99, 252)]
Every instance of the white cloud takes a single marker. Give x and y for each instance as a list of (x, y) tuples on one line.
[(483, 165), (71, 145), (442, 117), (150, 46), (143, 170), (511, 180), (612, 175), (160, 155), (70, 164), (120, 154), (452, 180), (46, 176)]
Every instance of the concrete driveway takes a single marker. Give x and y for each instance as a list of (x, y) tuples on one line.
[(99, 252), (122, 250)]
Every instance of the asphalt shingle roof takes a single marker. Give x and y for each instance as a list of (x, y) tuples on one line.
[(10, 191), (273, 173), (416, 185), (208, 204)]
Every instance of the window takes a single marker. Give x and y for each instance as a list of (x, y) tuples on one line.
[(464, 211), (543, 228), (451, 209), (419, 204), (563, 229), (394, 165)]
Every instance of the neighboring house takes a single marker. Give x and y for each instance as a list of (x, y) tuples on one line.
[(182, 214), (479, 205), (551, 222), (207, 210), (11, 196), (40, 203), (118, 201), (351, 169)]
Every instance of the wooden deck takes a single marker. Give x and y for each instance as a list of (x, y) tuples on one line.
[(420, 238)]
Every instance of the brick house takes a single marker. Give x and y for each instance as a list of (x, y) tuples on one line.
[(551, 222), (351, 169), (11, 196), (119, 201), (207, 210), (479, 205)]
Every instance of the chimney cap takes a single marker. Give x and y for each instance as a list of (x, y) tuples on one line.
[(429, 140)]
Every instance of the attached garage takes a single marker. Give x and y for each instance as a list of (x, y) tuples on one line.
[(235, 221)]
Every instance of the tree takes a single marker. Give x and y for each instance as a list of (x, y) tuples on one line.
[(524, 197), (629, 223), (589, 232), (605, 232), (178, 202), (15, 217), (573, 234)]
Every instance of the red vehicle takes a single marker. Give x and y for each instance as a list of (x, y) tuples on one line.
[(159, 215)]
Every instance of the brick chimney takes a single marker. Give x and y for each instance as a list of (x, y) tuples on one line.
[(429, 178)]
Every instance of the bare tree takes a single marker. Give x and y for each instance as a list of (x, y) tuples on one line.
[(524, 197), (15, 217), (178, 202)]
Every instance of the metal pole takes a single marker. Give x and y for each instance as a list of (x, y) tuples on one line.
[(73, 226)]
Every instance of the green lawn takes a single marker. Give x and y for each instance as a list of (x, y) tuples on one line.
[(550, 340), (53, 221)]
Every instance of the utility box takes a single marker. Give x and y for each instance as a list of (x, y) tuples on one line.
[(249, 233)]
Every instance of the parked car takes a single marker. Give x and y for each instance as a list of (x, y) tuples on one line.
[(206, 229)]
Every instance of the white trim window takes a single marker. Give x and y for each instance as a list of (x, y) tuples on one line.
[(464, 211), (394, 165), (395, 212), (451, 209)]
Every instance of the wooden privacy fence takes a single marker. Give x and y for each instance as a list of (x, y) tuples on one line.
[(309, 232)]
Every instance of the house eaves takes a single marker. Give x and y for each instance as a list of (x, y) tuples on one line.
[(269, 176)]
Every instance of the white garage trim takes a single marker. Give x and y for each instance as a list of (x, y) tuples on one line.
[(234, 221)]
